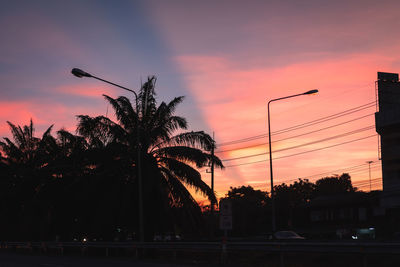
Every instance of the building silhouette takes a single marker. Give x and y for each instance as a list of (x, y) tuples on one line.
[(387, 123)]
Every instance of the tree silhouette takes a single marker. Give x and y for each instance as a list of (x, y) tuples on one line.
[(168, 161), (28, 159), (249, 210), (334, 184), (291, 200)]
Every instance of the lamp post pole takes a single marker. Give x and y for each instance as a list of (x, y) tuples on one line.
[(80, 73), (270, 155)]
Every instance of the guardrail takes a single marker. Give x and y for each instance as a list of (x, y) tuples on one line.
[(225, 249), (275, 246)]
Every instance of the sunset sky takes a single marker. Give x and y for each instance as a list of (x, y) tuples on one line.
[(229, 58)]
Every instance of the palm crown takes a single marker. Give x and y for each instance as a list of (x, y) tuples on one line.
[(169, 161)]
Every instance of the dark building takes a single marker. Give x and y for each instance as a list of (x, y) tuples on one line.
[(387, 123), (342, 215), (337, 214)]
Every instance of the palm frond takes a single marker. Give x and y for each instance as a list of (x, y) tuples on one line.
[(64, 134), (123, 111), (181, 196), (189, 176), (47, 132), (146, 97), (17, 134), (164, 129), (100, 128), (48, 142), (165, 111), (217, 161), (31, 129), (173, 103), (10, 149), (185, 154), (199, 140), (71, 142), (174, 123)]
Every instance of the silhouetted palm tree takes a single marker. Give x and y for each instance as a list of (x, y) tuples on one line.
[(28, 159), (94, 184), (30, 156), (168, 161)]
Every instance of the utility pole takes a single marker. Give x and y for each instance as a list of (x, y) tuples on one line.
[(212, 173), (369, 169), (211, 170)]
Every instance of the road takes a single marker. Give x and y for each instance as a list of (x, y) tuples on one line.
[(9, 259)]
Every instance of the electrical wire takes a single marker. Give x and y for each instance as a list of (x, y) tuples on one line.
[(343, 169), (357, 184), (309, 151), (362, 182), (303, 125), (318, 176), (328, 118), (305, 144), (299, 135), (347, 169)]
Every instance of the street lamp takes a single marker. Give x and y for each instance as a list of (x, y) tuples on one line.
[(80, 73), (270, 153)]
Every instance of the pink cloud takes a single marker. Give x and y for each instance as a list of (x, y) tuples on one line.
[(87, 90), (43, 115), (17, 113)]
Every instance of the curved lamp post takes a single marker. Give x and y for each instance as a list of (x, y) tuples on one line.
[(80, 73), (270, 154)]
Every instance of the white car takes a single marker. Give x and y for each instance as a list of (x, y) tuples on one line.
[(287, 235)]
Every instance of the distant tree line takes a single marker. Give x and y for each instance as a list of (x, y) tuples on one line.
[(252, 208), (85, 184)]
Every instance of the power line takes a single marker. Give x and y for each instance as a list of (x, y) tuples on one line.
[(368, 185), (357, 184), (343, 143), (361, 182), (305, 144), (350, 170), (325, 128), (366, 182), (309, 151), (374, 168), (247, 163), (303, 125), (303, 134), (328, 118), (340, 170), (327, 139), (354, 168), (373, 185), (378, 181)]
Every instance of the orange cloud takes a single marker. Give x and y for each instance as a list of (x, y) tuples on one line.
[(235, 102)]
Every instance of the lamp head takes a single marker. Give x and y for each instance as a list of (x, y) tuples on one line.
[(80, 73), (311, 92)]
